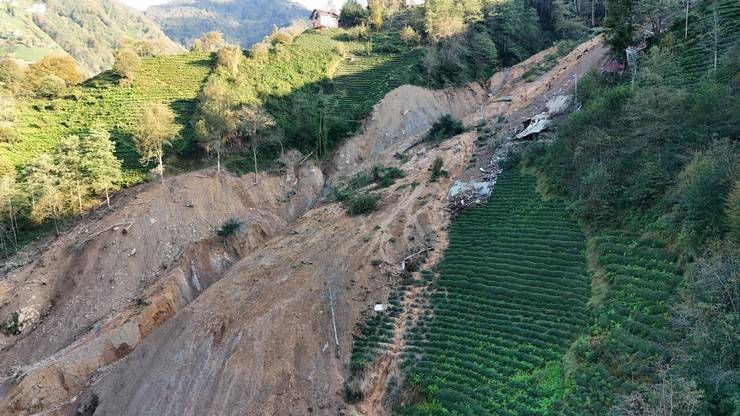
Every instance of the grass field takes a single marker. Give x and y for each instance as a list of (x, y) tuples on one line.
[(510, 298), (173, 80)]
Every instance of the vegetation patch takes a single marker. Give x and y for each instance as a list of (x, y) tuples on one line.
[(510, 298), (436, 169), (444, 128), (362, 203), (630, 330), (11, 326), (229, 227)]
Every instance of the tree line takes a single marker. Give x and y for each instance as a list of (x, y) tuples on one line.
[(58, 184)]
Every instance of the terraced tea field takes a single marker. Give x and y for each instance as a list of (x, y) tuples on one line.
[(361, 81), (697, 57), (510, 298), (173, 80), (629, 327)]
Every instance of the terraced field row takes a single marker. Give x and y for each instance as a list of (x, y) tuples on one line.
[(510, 298), (712, 29), (629, 328), (361, 81), (173, 80)]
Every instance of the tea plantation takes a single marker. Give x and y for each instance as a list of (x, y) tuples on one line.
[(361, 81), (173, 80), (630, 328), (510, 299), (504, 327)]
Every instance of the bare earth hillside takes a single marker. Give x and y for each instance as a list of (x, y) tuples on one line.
[(147, 312)]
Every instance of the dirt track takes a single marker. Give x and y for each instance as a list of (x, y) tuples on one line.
[(168, 319)]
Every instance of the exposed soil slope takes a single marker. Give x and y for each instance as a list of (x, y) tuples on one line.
[(72, 300), (192, 324)]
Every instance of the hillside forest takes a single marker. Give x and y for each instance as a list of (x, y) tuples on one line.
[(641, 185), (88, 30)]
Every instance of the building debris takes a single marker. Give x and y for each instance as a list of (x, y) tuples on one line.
[(537, 124)]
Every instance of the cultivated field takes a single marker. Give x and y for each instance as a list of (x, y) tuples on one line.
[(510, 298)]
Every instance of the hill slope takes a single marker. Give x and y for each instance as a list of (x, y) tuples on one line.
[(89, 30), (174, 80), (243, 22)]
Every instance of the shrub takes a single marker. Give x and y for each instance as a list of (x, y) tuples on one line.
[(358, 33), (282, 37), (229, 227), (50, 86), (437, 170), (127, 63), (444, 128), (701, 193), (11, 326), (409, 36), (362, 203), (229, 57), (259, 51), (11, 73)]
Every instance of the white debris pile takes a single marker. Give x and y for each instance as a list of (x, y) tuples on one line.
[(463, 195), (540, 122)]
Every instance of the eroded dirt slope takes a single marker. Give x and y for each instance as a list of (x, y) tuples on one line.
[(167, 319), (158, 246)]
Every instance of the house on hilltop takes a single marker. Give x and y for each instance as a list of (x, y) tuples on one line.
[(322, 19)]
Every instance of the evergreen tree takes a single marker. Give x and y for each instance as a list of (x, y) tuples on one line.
[(101, 168), (353, 14), (620, 23), (157, 129)]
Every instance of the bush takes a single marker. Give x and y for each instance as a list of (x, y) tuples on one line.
[(409, 36), (702, 192), (127, 63), (51, 86), (11, 73), (11, 326), (229, 57), (437, 170), (362, 203), (229, 227), (282, 37), (260, 51), (444, 128)]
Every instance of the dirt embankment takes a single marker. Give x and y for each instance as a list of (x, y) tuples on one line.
[(105, 286), (166, 319)]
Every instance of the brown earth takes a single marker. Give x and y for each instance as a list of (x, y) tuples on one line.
[(164, 318)]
